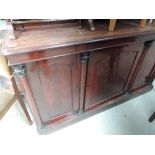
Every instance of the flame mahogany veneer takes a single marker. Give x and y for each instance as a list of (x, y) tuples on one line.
[(68, 74)]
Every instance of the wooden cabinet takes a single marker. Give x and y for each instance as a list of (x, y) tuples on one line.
[(55, 86), (66, 79), (66, 86)]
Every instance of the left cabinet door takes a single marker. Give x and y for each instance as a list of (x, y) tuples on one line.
[(55, 85)]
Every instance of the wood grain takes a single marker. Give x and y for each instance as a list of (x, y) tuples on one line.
[(146, 67), (31, 101), (55, 85), (106, 74), (47, 37), (112, 24), (143, 23)]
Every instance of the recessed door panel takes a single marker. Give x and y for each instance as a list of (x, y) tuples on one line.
[(108, 71), (55, 84)]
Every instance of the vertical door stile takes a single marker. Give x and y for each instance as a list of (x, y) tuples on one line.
[(84, 61)]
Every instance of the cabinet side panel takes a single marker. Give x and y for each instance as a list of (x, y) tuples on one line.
[(145, 68)]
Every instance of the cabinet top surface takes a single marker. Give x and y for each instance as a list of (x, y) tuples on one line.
[(47, 37)]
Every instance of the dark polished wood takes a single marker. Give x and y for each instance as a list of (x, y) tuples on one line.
[(151, 76), (69, 74), (146, 70), (84, 61), (140, 80), (106, 75), (38, 38), (20, 71), (55, 84)]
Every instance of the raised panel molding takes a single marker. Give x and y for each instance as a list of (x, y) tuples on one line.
[(55, 85)]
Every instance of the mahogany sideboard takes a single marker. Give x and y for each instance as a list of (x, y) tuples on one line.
[(68, 74)]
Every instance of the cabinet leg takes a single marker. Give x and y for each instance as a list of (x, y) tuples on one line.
[(152, 117), (112, 24)]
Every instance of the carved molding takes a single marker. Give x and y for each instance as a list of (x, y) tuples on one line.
[(19, 70), (84, 57)]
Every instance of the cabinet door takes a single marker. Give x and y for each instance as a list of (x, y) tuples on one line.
[(146, 68), (108, 71), (55, 85)]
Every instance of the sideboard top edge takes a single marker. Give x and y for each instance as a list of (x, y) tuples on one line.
[(91, 38)]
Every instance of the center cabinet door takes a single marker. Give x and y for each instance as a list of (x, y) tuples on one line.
[(55, 85), (108, 72)]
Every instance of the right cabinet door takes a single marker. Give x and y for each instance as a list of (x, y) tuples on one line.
[(108, 72)]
